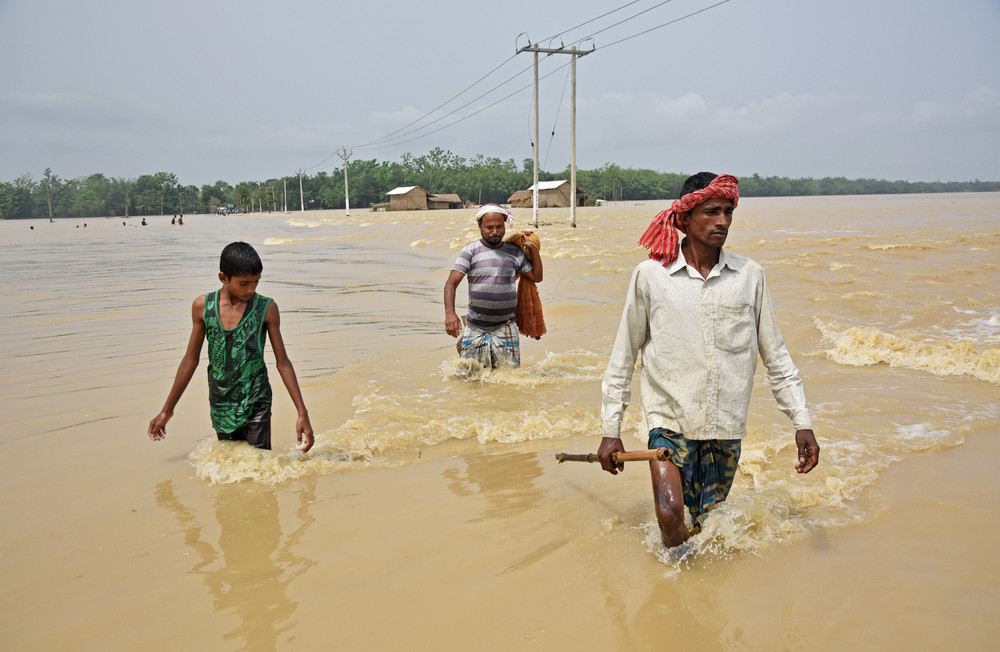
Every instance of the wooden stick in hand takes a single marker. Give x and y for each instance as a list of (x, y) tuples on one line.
[(652, 455)]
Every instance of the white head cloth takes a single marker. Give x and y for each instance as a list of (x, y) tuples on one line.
[(495, 208)]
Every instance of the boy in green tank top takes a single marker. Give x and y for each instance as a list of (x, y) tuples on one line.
[(236, 321)]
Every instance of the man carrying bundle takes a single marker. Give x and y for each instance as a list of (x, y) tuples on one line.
[(490, 335), (699, 315)]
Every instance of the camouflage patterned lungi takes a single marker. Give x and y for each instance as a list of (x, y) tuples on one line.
[(494, 348), (708, 468)]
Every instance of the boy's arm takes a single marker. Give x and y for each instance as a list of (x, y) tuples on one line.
[(303, 429), (158, 426)]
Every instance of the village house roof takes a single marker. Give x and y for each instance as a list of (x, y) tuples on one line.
[(548, 185), (448, 197), (402, 190)]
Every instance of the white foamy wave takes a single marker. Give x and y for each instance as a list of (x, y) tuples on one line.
[(298, 221), (983, 325), (771, 506), (862, 294), (866, 346), (385, 422), (391, 429), (567, 366), (924, 245), (227, 462)]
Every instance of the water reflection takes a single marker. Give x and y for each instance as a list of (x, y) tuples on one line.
[(250, 568), (507, 484)]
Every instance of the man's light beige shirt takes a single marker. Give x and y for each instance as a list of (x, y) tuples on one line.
[(699, 339)]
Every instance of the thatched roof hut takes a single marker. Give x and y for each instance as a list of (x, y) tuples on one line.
[(444, 200), (521, 199)]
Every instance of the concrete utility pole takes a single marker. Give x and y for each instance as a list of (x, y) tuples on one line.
[(284, 195), (572, 183), (534, 194), (345, 156), (572, 147), (302, 200)]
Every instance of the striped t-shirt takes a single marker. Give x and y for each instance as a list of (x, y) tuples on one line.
[(492, 275)]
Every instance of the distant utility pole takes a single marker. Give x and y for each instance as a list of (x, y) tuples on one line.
[(302, 201), (345, 156), (573, 52), (284, 195)]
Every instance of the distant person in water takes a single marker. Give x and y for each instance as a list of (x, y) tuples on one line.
[(698, 315), (144, 221), (490, 334), (180, 220), (173, 220), (237, 321)]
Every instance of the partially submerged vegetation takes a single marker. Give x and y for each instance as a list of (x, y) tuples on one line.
[(479, 179)]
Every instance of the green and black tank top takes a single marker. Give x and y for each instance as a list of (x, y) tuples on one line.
[(237, 375)]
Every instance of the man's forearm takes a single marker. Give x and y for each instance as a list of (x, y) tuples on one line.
[(449, 299)]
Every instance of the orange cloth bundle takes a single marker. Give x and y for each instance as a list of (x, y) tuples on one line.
[(528, 314)]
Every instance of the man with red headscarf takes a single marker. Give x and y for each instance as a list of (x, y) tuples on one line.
[(699, 316)]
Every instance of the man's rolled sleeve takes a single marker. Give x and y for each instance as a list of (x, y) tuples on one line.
[(782, 374), (616, 386)]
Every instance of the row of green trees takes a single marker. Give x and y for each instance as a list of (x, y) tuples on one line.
[(479, 179)]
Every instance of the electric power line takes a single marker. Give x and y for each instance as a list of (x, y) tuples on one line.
[(449, 114), (381, 142), (552, 136), (445, 103), (474, 113), (473, 84), (670, 22), (587, 22)]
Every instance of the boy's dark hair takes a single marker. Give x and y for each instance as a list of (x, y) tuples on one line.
[(697, 182), (240, 259)]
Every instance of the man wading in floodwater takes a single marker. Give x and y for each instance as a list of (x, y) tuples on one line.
[(699, 315), (490, 335)]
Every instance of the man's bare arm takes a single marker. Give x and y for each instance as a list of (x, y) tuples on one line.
[(452, 324)]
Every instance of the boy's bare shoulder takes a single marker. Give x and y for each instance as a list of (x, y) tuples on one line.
[(198, 306)]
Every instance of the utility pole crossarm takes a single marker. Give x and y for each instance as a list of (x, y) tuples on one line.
[(535, 48)]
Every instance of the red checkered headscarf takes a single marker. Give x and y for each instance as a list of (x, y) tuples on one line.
[(661, 235)]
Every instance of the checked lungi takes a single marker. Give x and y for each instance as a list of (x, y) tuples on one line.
[(708, 468), (498, 347)]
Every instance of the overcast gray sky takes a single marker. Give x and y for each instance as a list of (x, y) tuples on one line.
[(254, 89)]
